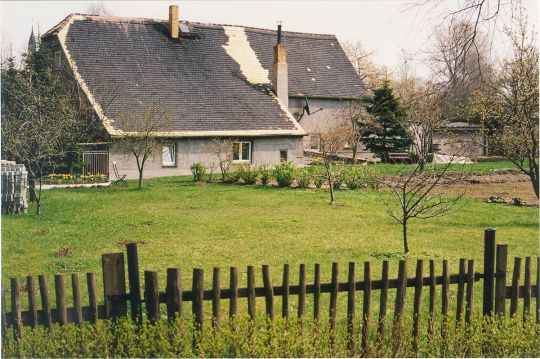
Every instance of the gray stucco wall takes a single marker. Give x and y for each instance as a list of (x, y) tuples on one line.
[(459, 142), (265, 150)]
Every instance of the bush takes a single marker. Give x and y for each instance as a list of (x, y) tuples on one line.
[(319, 177), (339, 178), (265, 174), (284, 174), (198, 169), (304, 178), (246, 173), (242, 337), (354, 177)]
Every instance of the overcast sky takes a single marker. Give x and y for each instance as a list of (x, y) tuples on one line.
[(385, 27)]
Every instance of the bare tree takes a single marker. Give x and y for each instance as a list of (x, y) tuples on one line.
[(510, 114), (371, 74), (412, 194), (332, 144), (222, 148), (98, 8), (360, 121), (143, 134)]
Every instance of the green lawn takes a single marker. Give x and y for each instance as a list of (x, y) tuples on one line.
[(477, 168)]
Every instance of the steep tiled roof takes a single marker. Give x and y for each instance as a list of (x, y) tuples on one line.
[(202, 82)]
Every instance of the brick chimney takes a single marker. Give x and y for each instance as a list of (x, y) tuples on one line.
[(280, 77), (173, 21)]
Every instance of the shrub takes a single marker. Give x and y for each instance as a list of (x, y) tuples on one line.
[(304, 178), (353, 177), (247, 173), (338, 179), (284, 174), (198, 169), (319, 176), (265, 174)]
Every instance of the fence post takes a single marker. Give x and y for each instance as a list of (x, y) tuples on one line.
[(537, 289), (317, 293), (134, 282), (351, 305), (173, 293), (469, 296), (285, 289), (251, 291), (216, 297), (268, 291), (418, 285), (234, 292), (301, 290), (16, 307), (114, 285), (333, 296), (4, 316), (461, 289), (527, 293), (31, 288), (92, 296), (384, 299), (61, 310), (76, 288), (198, 293), (400, 294), (366, 308), (489, 271), (432, 288), (45, 303), (500, 281), (151, 296), (514, 300)]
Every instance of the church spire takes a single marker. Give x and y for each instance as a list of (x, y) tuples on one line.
[(32, 42)]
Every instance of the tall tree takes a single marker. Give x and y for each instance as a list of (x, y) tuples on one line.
[(391, 135)]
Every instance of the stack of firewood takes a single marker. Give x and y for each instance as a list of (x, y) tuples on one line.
[(14, 185)]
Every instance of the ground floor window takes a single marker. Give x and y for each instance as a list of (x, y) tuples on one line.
[(242, 151), (168, 155), (283, 155)]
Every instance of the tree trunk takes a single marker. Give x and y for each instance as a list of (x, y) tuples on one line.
[(140, 178), (38, 199), (422, 163), (533, 174), (405, 243), (354, 151), (32, 190)]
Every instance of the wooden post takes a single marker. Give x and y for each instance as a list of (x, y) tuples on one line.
[(216, 298), (302, 290), (32, 305), (402, 286), (114, 285), (45, 303), (285, 289), (268, 291), (4, 316), (198, 293), (317, 293), (92, 297), (251, 292), (514, 299), (500, 281), (384, 299), (469, 296), (333, 295), (537, 289), (351, 283), (461, 289), (151, 296), (418, 285), (173, 292), (16, 307), (61, 310), (76, 288), (527, 289), (432, 288), (134, 282), (445, 289), (366, 308), (489, 271), (233, 302)]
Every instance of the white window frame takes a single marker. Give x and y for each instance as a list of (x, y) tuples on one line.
[(239, 154), (165, 163)]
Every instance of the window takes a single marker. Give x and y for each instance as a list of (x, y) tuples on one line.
[(57, 60), (283, 155), (168, 155), (242, 151)]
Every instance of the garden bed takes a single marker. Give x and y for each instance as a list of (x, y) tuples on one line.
[(75, 185)]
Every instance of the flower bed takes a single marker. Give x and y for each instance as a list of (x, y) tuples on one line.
[(67, 178)]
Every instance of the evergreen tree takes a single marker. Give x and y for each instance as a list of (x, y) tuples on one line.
[(391, 135)]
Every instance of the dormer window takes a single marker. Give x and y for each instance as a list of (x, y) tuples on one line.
[(57, 60)]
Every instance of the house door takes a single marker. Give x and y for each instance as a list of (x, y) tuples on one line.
[(95, 162)]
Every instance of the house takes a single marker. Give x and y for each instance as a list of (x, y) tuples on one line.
[(460, 138), (215, 81)]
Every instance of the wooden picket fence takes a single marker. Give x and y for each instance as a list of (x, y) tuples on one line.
[(495, 293)]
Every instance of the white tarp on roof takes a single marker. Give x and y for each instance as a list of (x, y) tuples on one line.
[(447, 159)]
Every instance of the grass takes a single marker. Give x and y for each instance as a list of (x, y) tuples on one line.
[(476, 168)]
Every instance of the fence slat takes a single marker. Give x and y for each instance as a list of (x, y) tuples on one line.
[(500, 281), (460, 289), (417, 302), (469, 296), (4, 316), (317, 293), (173, 292), (252, 310), (489, 271), (366, 308), (514, 300), (61, 310), (400, 295), (445, 289), (92, 297), (333, 295), (216, 298), (32, 305), (302, 290), (351, 304), (197, 302), (285, 290), (114, 284), (76, 289), (527, 288), (268, 291), (384, 299), (537, 289), (233, 302), (151, 296), (432, 290), (134, 282), (45, 302), (16, 307)]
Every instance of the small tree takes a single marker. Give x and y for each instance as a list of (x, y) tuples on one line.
[(143, 134), (361, 122), (332, 144), (391, 135), (222, 148)]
